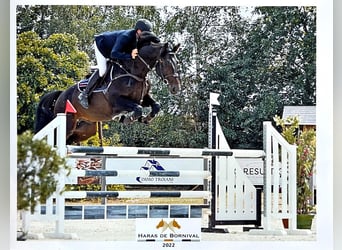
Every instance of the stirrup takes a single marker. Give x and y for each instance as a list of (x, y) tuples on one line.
[(83, 100)]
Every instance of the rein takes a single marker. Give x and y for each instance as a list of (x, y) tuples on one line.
[(145, 63), (127, 74), (159, 67), (120, 76), (158, 64)]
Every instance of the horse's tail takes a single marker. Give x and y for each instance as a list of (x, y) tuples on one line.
[(45, 110)]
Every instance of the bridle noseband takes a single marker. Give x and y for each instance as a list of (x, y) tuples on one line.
[(160, 67)]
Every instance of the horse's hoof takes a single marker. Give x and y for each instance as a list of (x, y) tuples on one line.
[(127, 120), (122, 119), (144, 119)]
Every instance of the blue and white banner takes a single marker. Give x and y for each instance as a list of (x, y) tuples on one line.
[(144, 171)]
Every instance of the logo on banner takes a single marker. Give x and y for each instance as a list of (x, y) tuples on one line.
[(172, 225), (168, 230), (152, 165)]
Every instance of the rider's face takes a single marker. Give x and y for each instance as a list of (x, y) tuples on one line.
[(138, 33)]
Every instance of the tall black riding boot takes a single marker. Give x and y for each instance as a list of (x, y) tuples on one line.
[(83, 96)]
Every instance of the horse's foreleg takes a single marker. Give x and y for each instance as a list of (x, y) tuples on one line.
[(128, 105), (148, 101)]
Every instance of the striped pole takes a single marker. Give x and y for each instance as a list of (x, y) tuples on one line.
[(139, 152), (137, 194), (135, 173)]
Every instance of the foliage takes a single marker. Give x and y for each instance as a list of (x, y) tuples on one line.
[(306, 156), (208, 35), (106, 140), (258, 59), (166, 130), (37, 165), (292, 55), (44, 65), (83, 21), (272, 65)]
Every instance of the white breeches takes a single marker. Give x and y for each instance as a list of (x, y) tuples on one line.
[(101, 61)]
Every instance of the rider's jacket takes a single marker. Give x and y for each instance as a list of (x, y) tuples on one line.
[(117, 44)]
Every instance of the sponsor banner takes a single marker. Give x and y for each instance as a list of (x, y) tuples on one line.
[(168, 230), (166, 171)]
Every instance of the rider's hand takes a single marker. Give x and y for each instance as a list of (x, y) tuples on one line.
[(134, 53)]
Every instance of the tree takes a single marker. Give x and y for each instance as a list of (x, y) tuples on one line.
[(83, 21), (273, 65), (32, 18), (288, 35), (207, 35), (44, 65), (37, 165)]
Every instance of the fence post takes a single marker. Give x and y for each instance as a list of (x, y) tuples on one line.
[(62, 150), (293, 187), (267, 176)]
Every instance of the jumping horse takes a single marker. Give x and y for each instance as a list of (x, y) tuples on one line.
[(124, 92)]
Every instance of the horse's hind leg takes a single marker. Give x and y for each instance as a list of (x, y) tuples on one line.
[(83, 131), (78, 131)]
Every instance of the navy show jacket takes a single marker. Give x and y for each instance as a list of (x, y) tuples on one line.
[(117, 44)]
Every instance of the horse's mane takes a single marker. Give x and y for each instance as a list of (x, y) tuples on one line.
[(146, 38)]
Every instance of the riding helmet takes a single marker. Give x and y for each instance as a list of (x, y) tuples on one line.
[(143, 25)]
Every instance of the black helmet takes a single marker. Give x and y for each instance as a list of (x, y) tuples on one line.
[(143, 25)]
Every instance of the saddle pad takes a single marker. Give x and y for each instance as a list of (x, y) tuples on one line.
[(83, 84)]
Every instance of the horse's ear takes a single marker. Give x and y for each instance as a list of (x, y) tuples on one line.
[(164, 49), (176, 48)]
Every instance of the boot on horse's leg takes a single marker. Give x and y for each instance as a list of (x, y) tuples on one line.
[(155, 110), (136, 114), (83, 96)]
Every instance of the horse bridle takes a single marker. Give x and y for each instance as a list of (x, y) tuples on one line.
[(159, 66)]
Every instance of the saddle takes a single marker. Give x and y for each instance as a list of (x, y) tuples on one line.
[(82, 84), (113, 69)]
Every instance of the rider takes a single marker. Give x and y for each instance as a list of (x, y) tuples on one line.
[(119, 44)]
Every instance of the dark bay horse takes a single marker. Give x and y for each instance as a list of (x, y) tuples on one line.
[(125, 91)]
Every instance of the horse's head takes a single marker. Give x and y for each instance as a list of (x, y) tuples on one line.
[(162, 56), (166, 67)]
